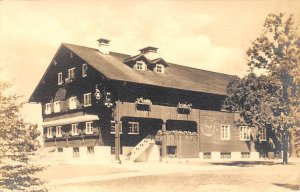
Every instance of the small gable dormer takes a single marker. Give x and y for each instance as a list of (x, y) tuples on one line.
[(147, 60)]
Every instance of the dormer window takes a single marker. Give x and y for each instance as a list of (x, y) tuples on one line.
[(140, 65), (84, 70), (159, 68)]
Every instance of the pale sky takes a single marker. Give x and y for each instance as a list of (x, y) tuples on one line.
[(211, 35)]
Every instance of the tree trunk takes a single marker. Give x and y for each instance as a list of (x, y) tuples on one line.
[(285, 142), (292, 143)]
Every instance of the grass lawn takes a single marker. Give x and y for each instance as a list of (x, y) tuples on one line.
[(241, 176)]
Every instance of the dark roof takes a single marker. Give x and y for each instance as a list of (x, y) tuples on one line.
[(176, 76)]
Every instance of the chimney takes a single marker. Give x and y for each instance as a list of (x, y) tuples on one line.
[(150, 52), (103, 46)]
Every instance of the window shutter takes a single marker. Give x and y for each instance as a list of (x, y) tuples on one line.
[(77, 103), (52, 107), (67, 104), (62, 105)]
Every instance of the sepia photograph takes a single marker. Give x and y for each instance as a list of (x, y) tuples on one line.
[(154, 95)]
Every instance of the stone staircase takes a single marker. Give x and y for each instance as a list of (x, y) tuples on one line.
[(140, 148)]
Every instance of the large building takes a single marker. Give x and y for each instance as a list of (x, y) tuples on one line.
[(102, 106)]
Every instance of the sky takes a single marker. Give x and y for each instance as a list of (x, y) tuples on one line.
[(210, 35)]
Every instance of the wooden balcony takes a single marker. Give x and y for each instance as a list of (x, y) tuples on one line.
[(126, 109)]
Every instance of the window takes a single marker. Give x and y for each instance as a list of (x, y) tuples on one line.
[(90, 150), (48, 108), (56, 106), (159, 68), (75, 152), (207, 155), (71, 73), (72, 103), (225, 155), (113, 150), (133, 127), (245, 155), (245, 133), (225, 132), (58, 131), (74, 129), (59, 79), (140, 65), (88, 127), (84, 70), (87, 99), (263, 134), (49, 132), (60, 150), (113, 127)]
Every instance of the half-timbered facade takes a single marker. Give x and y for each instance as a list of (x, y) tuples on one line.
[(100, 104)]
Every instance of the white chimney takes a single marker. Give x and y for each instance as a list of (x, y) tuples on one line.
[(103, 46), (150, 52)]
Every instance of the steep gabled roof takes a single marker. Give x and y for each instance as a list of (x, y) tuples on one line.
[(177, 76)]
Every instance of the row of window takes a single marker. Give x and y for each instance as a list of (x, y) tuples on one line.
[(245, 133), (134, 127), (141, 66), (71, 74), (76, 154), (74, 130), (87, 101), (226, 155)]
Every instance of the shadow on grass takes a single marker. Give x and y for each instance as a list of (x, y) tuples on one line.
[(288, 186), (248, 163)]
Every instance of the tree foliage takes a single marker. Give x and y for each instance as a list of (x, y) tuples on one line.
[(18, 141), (273, 99)]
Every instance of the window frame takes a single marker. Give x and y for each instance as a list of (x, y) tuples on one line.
[(48, 109), (74, 129), (59, 78), (89, 130), (56, 106), (87, 99), (71, 75), (49, 132), (58, 132), (225, 128), (113, 127), (84, 70), (72, 102), (245, 133), (142, 67), (162, 68), (263, 134), (132, 129), (76, 152)]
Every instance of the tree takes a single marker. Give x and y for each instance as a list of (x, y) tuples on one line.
[(271, 100), (18, 147)]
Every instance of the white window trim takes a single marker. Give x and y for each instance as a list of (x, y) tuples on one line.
[(74, 131), (120, 126), (245, 130), (56, 106), (59, 78), (263, 134), (227, 130), (131, 124), (69, 73), (72, 103), (89, 130), (58, 131), (85, 100), (142, 68), (84, 70), (48, 108), (49, 132), (162, 68)]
